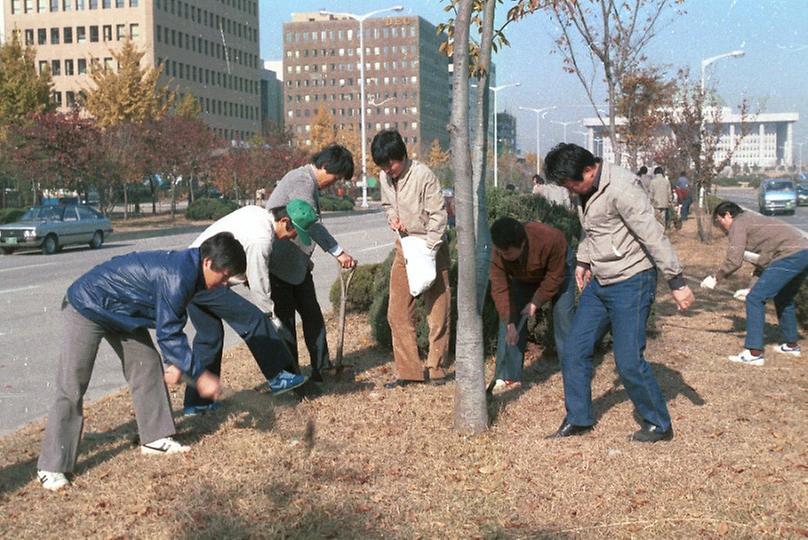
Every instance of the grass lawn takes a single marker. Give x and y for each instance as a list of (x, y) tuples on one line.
[(359, 461)]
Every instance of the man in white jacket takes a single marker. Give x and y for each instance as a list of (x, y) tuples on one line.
[(256, 229)]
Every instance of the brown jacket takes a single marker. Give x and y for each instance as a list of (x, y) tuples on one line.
[(622, 236), (768, 237), (417, 200), (542, 261)]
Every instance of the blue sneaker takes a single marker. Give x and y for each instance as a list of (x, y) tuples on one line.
[(285, 381), (196, 410)]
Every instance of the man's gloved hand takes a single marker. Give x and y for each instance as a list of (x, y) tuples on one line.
[(741, 294), (709, 282)]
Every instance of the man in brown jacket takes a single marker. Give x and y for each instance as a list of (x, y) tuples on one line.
[(617, 271), (783, 264), (531, 265), (412, 198)]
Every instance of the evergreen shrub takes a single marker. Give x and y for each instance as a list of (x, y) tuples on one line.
[(360, 294), (332, 204), (10, 215), (204, 208)]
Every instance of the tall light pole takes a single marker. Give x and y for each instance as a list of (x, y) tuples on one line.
[(495, 90), (361, 20), (585, 136), (540, 113), (565, 124), (704, 63), (799, 170)]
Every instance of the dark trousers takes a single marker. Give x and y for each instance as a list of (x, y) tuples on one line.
[(302, 298), (207, 310)]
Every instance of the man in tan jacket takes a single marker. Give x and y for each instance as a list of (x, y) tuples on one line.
[(782, 261), (622, 248), (412, 198)]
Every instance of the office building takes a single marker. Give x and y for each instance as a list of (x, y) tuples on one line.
[(271, 99), (208, 47), (766, 139), (407, 77), (506, 132)]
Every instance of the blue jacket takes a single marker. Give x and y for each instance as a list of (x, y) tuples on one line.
[(150, 289)]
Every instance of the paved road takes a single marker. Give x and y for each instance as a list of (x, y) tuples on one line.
[(747, 197), (31, 290)]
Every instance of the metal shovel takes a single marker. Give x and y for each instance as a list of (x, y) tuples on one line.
[(345, 276)]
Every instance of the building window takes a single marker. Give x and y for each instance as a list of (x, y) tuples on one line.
[(159, 34), (41, 36), (67, 33), (56, 98), (120, 3), (67, 5), (94, 34), (54, 5), (56, 67), (79, 5), (108, 63), (120, 32), (107, 32), (16, 7), (43, 67), (106, 4), (134, 31), (42, 6), (29, 36), (93, 4), (82, 66), (81, 34), (134, 3), (68, 68)]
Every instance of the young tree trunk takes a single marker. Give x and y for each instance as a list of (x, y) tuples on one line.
[(125, 203), (173, 198), (482, 233), (470, 413)]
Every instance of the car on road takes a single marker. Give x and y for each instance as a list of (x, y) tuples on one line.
[(50, 228), (802, 194), (777, 195)]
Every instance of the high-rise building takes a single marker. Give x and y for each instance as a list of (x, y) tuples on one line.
[(506, 132), (407, 77), (271, 98), (208, 47)]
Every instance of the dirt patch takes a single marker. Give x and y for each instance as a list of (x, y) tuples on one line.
[(359, 461)]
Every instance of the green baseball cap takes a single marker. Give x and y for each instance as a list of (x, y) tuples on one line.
[(302, 216)]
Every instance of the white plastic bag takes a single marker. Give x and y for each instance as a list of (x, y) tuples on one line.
[(420, 264)]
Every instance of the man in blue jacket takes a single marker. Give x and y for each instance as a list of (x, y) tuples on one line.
[(119, 300)]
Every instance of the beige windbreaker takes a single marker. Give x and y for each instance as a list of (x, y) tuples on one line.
[(622, 236)]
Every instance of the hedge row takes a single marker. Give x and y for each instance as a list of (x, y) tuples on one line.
[(331, 204), (204, 208), (369, 288)]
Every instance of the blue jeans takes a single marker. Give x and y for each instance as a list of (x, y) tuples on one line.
[(207, 310), (625, 307), (780, 280), (511, 360)]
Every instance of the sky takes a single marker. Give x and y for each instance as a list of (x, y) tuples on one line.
[(772, 76)]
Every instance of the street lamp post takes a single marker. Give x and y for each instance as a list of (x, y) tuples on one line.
[(585, 136), (495, 90), (704, 63), (799, 170), (361, 20), (565, 124), (540, 113)]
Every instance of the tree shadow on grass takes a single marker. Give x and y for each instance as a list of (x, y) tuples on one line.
[(671, 382)]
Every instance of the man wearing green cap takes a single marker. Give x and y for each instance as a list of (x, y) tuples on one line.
[(257, 230)]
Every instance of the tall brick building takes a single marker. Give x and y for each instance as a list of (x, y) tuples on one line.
[(407, 77), (209, 47)]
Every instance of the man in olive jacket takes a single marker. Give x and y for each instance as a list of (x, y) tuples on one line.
[(622, 248)]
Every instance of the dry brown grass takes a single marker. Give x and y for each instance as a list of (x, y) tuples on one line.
[(383, 463)]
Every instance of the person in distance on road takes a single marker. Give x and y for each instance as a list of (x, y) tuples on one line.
[(258, 231), (782, 264), (119, 300)]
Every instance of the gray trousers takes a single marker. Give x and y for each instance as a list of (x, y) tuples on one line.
[(142, 369)]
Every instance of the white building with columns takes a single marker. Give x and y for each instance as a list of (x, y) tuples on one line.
[(769, 139)]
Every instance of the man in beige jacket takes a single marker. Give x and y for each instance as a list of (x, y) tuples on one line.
[(412, 198), (622, 249)]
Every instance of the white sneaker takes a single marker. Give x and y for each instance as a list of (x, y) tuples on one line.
[(785, 349), (747, 358), (52, 481), (501, 386), (164, 446)]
